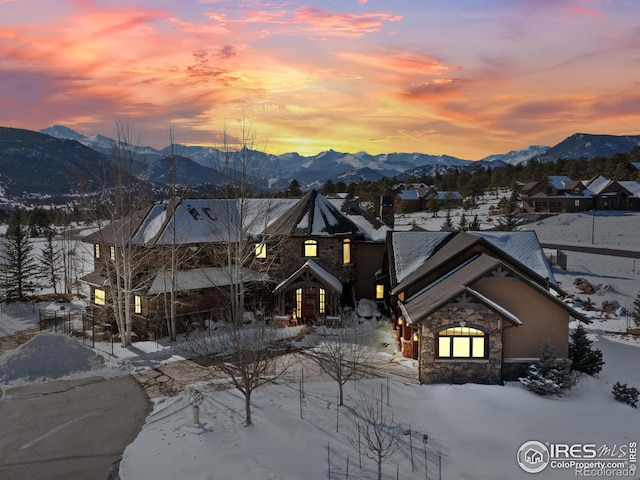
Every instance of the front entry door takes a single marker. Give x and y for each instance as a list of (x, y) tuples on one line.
[(310, 302)]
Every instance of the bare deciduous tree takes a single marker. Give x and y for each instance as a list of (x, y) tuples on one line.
[(245, 354), (120, 209), (341, 354), (375, 428)]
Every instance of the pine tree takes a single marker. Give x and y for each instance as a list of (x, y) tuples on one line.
[(509, 221), (20, 266), (462, 224), (583, 357), (635, 311), (50, 263), (550, 375), (474, 226), (448, 224)]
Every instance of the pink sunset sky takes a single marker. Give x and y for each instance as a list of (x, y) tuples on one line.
[(467, 78)]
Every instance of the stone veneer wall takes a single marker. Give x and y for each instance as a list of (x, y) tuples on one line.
[(488, 371), (329, 257)]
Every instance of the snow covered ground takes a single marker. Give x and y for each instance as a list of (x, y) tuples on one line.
[(474, 431)]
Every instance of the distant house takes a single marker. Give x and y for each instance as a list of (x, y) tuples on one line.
[(556, 194), (614, 195), (474, 307), (312, 254), (560, 194), (415, 199)]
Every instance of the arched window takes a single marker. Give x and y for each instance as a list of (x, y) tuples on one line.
[(310, 248), (462, 342)]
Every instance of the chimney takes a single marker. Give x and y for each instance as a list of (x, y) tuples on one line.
[(387, 211)]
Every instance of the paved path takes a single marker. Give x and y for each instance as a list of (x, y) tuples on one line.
[(69, 429)]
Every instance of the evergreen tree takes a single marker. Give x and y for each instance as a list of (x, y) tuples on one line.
[(433, 205), (550, 375), (509, 221), (583, 357), (20, 267), (50, 263), (474, 226), (462, 224), (635, 311), (294, 190), (448, 224), (39, 222), (624, 394)]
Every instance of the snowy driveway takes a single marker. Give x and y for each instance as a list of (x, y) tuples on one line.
[(69, 429)]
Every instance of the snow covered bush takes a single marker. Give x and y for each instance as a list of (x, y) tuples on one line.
[(583, 357), (624, 394), (550, 375)]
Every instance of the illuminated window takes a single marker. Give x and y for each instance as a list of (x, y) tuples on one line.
[(99, 297), (299, 300), (96, 250), (112, 252), (346, 251), (310, 248), (462, 342), (137, 304), (379, 292), (321, 305), (261, 250)]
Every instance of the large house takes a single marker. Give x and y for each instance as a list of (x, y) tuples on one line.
[(471, 307), (475, 307), (310, 255)]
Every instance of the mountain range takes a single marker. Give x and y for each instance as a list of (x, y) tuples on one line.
[(51, 162)]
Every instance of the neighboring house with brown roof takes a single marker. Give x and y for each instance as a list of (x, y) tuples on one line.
[(613, 194), (560, 194), (556, 194), (475, 307)]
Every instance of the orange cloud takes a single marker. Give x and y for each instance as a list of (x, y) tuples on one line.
[(398, 61)]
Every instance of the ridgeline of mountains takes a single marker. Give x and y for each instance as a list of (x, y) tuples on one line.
[(54, 161)]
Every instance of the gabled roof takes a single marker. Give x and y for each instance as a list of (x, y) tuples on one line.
[(598, 184), (120, 231), (317, 272), (219, 220), (632, 187), (414, 254), (313, 215), (454, 283)]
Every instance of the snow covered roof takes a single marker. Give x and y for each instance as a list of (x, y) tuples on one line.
[(409, 194), (412, 249), (632, 187), (210, 220), (417, 252), (524, 247), (313, 215), (151, 225), (450, 196), (558, 181), (318, 272), (201, 278), (598, 184)]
